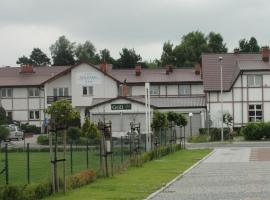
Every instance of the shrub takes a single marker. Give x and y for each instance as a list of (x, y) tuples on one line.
[(256, 131), (80, 179), (73, 133), (4, 133), (199, 138), (90, 130), (11, 192), (43, 140), (215, 133), (27, 128)]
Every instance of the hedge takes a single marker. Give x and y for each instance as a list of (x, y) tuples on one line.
[(256, 131), (215, 133), (44, 189)]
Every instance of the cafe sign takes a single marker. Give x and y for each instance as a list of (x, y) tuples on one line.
[(122, 106), (88, 78)]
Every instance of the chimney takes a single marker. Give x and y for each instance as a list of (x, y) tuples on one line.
[(265, 53), (138, 70), (27, 69), (197, 69), (124, 90), (103, 67), (169, 69), (236, 51)]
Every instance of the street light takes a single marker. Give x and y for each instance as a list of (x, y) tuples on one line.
[(221, 94), (190, 122)]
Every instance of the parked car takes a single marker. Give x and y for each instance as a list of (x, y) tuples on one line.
[(15, 132)]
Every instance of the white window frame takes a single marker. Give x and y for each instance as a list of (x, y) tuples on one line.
[(154, 90), (254, 80), (186, 88), (6, 92), (256, 116), (35, 91), (35, 115), (89, 90), (64, 90)]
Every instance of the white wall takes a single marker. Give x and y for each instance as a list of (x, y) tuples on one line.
[(197, 89), (106, 88)]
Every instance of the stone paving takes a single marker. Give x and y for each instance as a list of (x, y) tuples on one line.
[(228, 174)]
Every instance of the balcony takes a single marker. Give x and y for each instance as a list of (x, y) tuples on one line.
[(51, 99)]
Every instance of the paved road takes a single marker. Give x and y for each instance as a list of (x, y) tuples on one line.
[(228, 174)]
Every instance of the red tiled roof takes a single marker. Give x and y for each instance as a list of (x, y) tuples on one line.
[(11, 76), (155, 75), (232, 64)]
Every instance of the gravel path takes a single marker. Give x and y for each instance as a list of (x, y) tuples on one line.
[(228, 174)]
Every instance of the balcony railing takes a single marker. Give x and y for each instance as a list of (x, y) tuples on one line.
[(51, 99)]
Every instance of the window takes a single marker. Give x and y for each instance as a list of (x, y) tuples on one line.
[(88, 91), (254, 80), (9, 115), (60, 92), (184, 89), (33, 92), (255, 112), (154, 89), (34, 114), (6, 92)]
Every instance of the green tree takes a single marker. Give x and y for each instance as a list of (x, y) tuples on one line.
[(85, 52), (61, 112), (167, 56), (128, 58), (227, 119), (39, 58), (189, 51), (250, 45), (90, 130), (151, 64), (159, 120), (24, 61), (3, 116), (105, 56), (4, 133), (215, 43), (62, 52)]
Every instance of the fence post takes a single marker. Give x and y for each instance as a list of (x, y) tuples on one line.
[(87, 156), (71, 159), (122, 153), (28, 164), (6, 163)]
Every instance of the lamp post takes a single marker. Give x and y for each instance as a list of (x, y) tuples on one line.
[(190, 122), (221, 95)]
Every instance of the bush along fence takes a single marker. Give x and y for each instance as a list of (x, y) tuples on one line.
[(26, 173)]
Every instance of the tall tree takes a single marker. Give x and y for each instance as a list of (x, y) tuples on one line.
[(215, 43), (63, 52), (190, 49), (250, 45), (24, 61), (105, 56), (85, 52), (39, 58), (167, 56), (128, 58)]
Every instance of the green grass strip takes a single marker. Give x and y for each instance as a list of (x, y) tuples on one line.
[(137, 182)]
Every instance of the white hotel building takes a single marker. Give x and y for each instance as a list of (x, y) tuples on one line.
[(118, 94)]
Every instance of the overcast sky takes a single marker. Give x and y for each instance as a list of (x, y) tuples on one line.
[(113, 24)]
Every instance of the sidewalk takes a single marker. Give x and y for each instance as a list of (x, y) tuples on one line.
[(228, 144), (228, 174)]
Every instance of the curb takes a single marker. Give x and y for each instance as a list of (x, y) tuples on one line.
[(179, 176)]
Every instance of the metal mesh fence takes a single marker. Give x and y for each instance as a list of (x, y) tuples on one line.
[(33, 165)]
